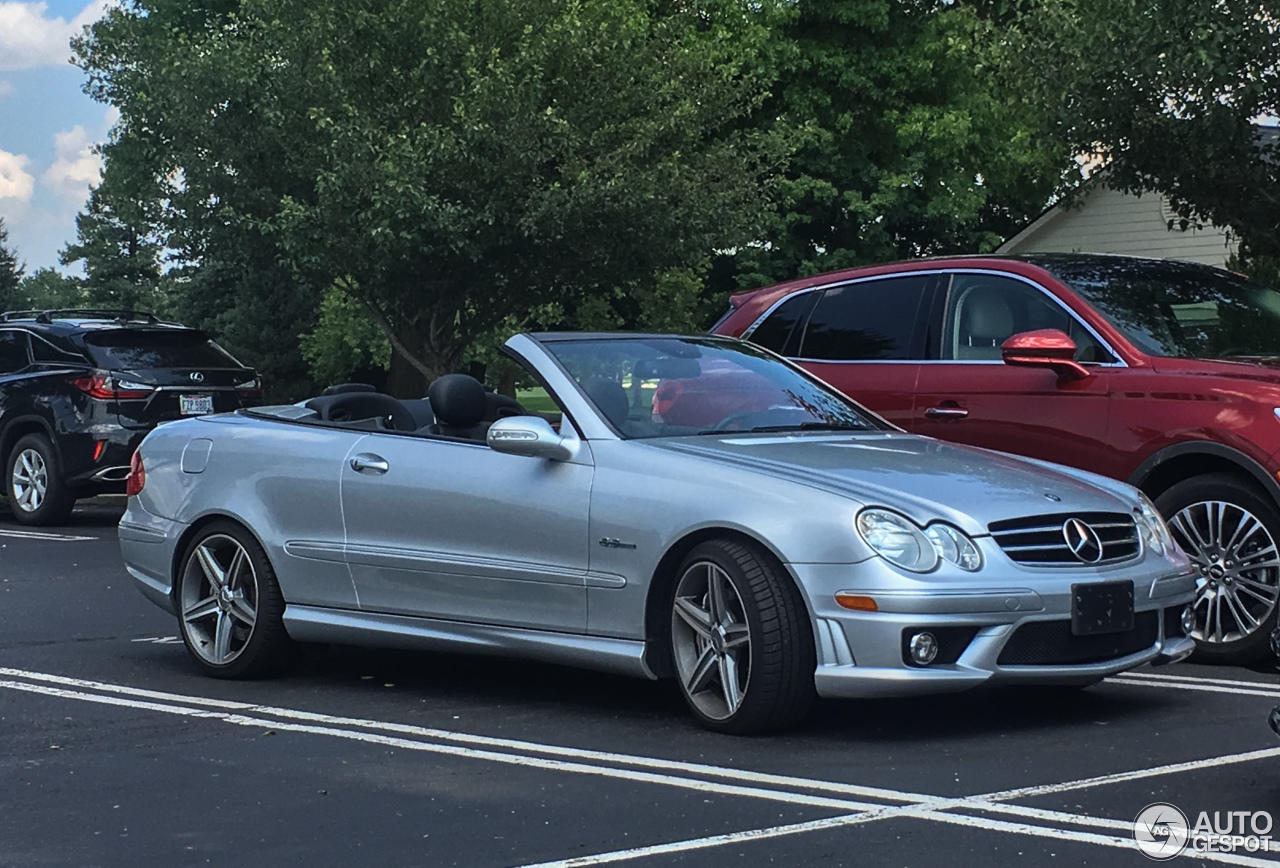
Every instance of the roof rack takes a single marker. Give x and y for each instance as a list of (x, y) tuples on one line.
[(47, 316)]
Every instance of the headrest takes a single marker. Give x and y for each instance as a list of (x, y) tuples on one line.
[(609, 397), (343, 388), (457, 400), (987, 314), (350, 406)]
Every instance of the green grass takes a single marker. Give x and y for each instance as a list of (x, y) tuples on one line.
[(537, 400)]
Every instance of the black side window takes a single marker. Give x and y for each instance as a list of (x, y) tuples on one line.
[(45, 351), (13, 351), (778, 332), (874, 319)]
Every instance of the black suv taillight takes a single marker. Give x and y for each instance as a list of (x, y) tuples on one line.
[(105, 387), (250, 388), (137, 478)]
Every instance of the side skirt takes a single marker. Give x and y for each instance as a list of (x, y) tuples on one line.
[(345, 627)]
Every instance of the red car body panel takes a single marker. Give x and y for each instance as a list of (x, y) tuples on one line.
[(1122, 421)]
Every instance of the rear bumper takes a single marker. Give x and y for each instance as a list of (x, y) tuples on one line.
[(107, 472), (148, 544)]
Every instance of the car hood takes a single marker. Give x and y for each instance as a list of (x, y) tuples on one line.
[(925, 479)]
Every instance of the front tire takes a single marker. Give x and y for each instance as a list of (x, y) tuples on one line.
[(1229, 529), (33, 483), (741, 640), (230, 609)]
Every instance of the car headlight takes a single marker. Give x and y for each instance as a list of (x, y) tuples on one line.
[(899, 541), (1151, 527), (954, 546)]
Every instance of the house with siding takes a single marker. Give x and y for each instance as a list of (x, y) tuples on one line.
[(1109, 221)]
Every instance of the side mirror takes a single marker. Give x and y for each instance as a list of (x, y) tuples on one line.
[(1045, 348), (532, 436)]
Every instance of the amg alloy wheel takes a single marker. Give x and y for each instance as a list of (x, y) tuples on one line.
[(740, 638), (1230, 533), (229, 605)]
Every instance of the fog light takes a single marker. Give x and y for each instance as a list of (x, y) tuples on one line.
[(924, 648), (1188, 620)]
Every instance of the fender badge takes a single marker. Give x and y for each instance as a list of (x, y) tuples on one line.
[(611, 543), (1053, 497)]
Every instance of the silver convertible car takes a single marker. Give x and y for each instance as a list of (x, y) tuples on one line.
[(695, 508)]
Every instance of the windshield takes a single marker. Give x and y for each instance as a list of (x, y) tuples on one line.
[(1179, 309), (673, 387)]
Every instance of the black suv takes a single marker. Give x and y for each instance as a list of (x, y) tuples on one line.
[(79, 389)]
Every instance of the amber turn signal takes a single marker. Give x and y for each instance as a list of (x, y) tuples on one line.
[(856, 602)]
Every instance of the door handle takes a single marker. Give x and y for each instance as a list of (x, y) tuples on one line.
[(367, 462), (946, 412)]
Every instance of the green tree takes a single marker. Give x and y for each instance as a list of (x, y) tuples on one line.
[(910, 148), (47, 289), (448, 165), (10, 271), (1164, 93), (115, 241)]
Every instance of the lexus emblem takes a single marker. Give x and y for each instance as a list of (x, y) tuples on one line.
[(197, 377), (1082, 540)]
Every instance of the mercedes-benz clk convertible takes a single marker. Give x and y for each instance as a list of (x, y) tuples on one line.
[(694, 507)]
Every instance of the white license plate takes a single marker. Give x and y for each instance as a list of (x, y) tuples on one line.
[(195, 405)]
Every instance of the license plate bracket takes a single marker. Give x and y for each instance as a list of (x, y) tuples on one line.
[(195, 405), (1098, 608)]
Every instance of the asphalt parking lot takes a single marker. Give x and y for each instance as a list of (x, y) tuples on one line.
[(116, 751)]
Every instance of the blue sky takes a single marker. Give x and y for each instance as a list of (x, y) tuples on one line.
[(48, 127)]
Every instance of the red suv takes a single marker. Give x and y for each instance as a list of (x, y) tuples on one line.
[(1164, 374)]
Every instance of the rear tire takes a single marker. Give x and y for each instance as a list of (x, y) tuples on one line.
[(230, 609), (1229, 529), (741, 640), (34, 486)]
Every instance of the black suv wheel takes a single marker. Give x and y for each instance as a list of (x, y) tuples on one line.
[(33, 483)]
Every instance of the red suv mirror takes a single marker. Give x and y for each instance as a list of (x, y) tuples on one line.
[(1045, 348)]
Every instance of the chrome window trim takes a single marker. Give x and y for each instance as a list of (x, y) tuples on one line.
[(1119, 363)]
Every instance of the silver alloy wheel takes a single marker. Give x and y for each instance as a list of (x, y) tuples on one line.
[(1239, 569), (30, 480), (219, 599), (711, 640)]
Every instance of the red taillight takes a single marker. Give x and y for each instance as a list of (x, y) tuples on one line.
[(107, 388), (137, 476), (250, 388)]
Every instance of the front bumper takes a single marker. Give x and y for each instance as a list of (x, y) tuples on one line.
[(1015, 631)]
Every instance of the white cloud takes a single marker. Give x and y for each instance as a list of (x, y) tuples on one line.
[(28, 39), (15, 181), (76, 166)]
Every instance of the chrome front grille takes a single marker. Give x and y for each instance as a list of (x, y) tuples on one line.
[(1043, 540)]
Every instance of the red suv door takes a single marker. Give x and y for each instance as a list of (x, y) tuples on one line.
[(969, 395)]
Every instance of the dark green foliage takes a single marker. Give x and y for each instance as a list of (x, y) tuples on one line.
[(10, 272), (1165, 94)]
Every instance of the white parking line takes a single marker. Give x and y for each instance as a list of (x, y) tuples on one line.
[(541, 756), (1196, 684), (45, 535), (1199, 679)]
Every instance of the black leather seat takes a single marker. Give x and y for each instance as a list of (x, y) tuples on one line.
[(343, 388), (459, 404), (354, 406), (498, 406)]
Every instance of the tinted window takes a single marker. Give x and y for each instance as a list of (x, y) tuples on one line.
[(45, 350), (1178, 309), (13, 351), (778, 327), (869, 320), (985, 310), (139, 349)]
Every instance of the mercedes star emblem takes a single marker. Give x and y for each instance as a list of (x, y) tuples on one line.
[(1082, 540)]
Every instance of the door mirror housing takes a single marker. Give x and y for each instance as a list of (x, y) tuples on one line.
[(532, 436), (1045, 348)]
